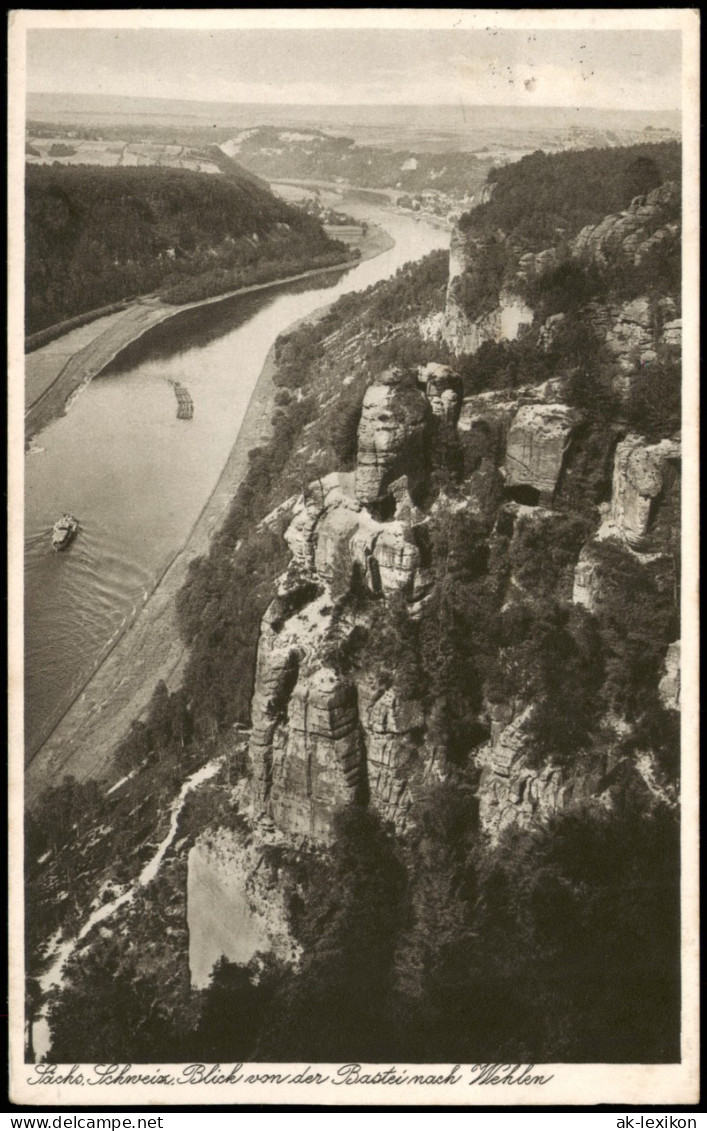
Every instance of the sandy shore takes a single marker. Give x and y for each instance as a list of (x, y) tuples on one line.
[(150, 649), (55, 371)]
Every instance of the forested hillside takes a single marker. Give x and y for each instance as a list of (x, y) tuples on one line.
[(312, 155), (544, 197), (97, 235)]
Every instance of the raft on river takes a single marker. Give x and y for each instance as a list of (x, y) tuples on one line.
[(185, 405)]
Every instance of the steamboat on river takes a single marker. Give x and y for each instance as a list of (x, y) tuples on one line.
[(64, 532), (139, 478)]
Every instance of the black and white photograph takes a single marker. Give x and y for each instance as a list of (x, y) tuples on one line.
[(353, 575)]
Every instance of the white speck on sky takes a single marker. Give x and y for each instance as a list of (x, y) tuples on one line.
[(606, 68)]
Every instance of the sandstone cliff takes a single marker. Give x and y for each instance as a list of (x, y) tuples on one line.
[(538, 440), (642, 518), (324, 736), (460, 748), (390, 434), (634, 331), (462, 332), (650, 220), (320, 739), (541, 502)]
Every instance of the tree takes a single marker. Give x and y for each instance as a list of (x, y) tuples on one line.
[(234, 1008), (655, 403), (109, 1011), (563, 909), (568, 673), (434, 965), (337, 1006), (345, 435), (641, 176)]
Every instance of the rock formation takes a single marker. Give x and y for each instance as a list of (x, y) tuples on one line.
[(643, 517), (331, 533), (502, 324), (317, 758), (512, 790), (444, 390), (646, 480), (638, 330), (320, 740), (391, 434), (635, 332), (587, 579), (647, 222), (538, 440), (324, 732), (669, 686), (393, 729), (281, 648), (462, 332), (312, 748)]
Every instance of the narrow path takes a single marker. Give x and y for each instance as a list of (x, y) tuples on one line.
[(52, 978)]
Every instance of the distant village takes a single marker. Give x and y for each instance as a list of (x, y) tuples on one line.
[(431, 202)]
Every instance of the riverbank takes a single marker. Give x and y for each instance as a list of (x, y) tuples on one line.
[(54, 372), (52, 376), (120, 686), (150, 648)]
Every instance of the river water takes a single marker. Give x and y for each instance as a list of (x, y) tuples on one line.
[(137, 477)]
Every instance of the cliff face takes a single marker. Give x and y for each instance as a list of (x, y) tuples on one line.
[(571, 513), (460, 580), (643, 518), (650, 220), (466, 334), (538, 440), (633, 331), (321, 739), (444, 390), (392, 428)]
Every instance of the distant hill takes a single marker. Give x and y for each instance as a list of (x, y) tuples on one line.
[(453, 127), (274, 152), (96, 235)]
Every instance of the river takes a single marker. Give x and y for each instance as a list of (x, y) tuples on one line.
[(136, 476)]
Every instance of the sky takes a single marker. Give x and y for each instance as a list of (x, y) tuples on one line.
[(601, 69)]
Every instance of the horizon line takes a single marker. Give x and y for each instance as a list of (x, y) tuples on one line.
[(353, 105)]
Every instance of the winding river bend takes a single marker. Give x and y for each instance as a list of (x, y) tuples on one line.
[(136, 474)]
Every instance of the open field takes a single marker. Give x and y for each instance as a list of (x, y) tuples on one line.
[(70, 150), (429, 128)]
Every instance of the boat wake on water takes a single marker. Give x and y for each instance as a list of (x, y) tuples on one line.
[(137, 478), (82, 599)]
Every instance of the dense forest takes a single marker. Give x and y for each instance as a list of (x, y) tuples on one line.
[(542, 202), (435, 950), (543, 196), (98, 235), (441, 944)]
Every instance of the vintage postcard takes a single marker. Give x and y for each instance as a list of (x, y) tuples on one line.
[(353, 571)]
